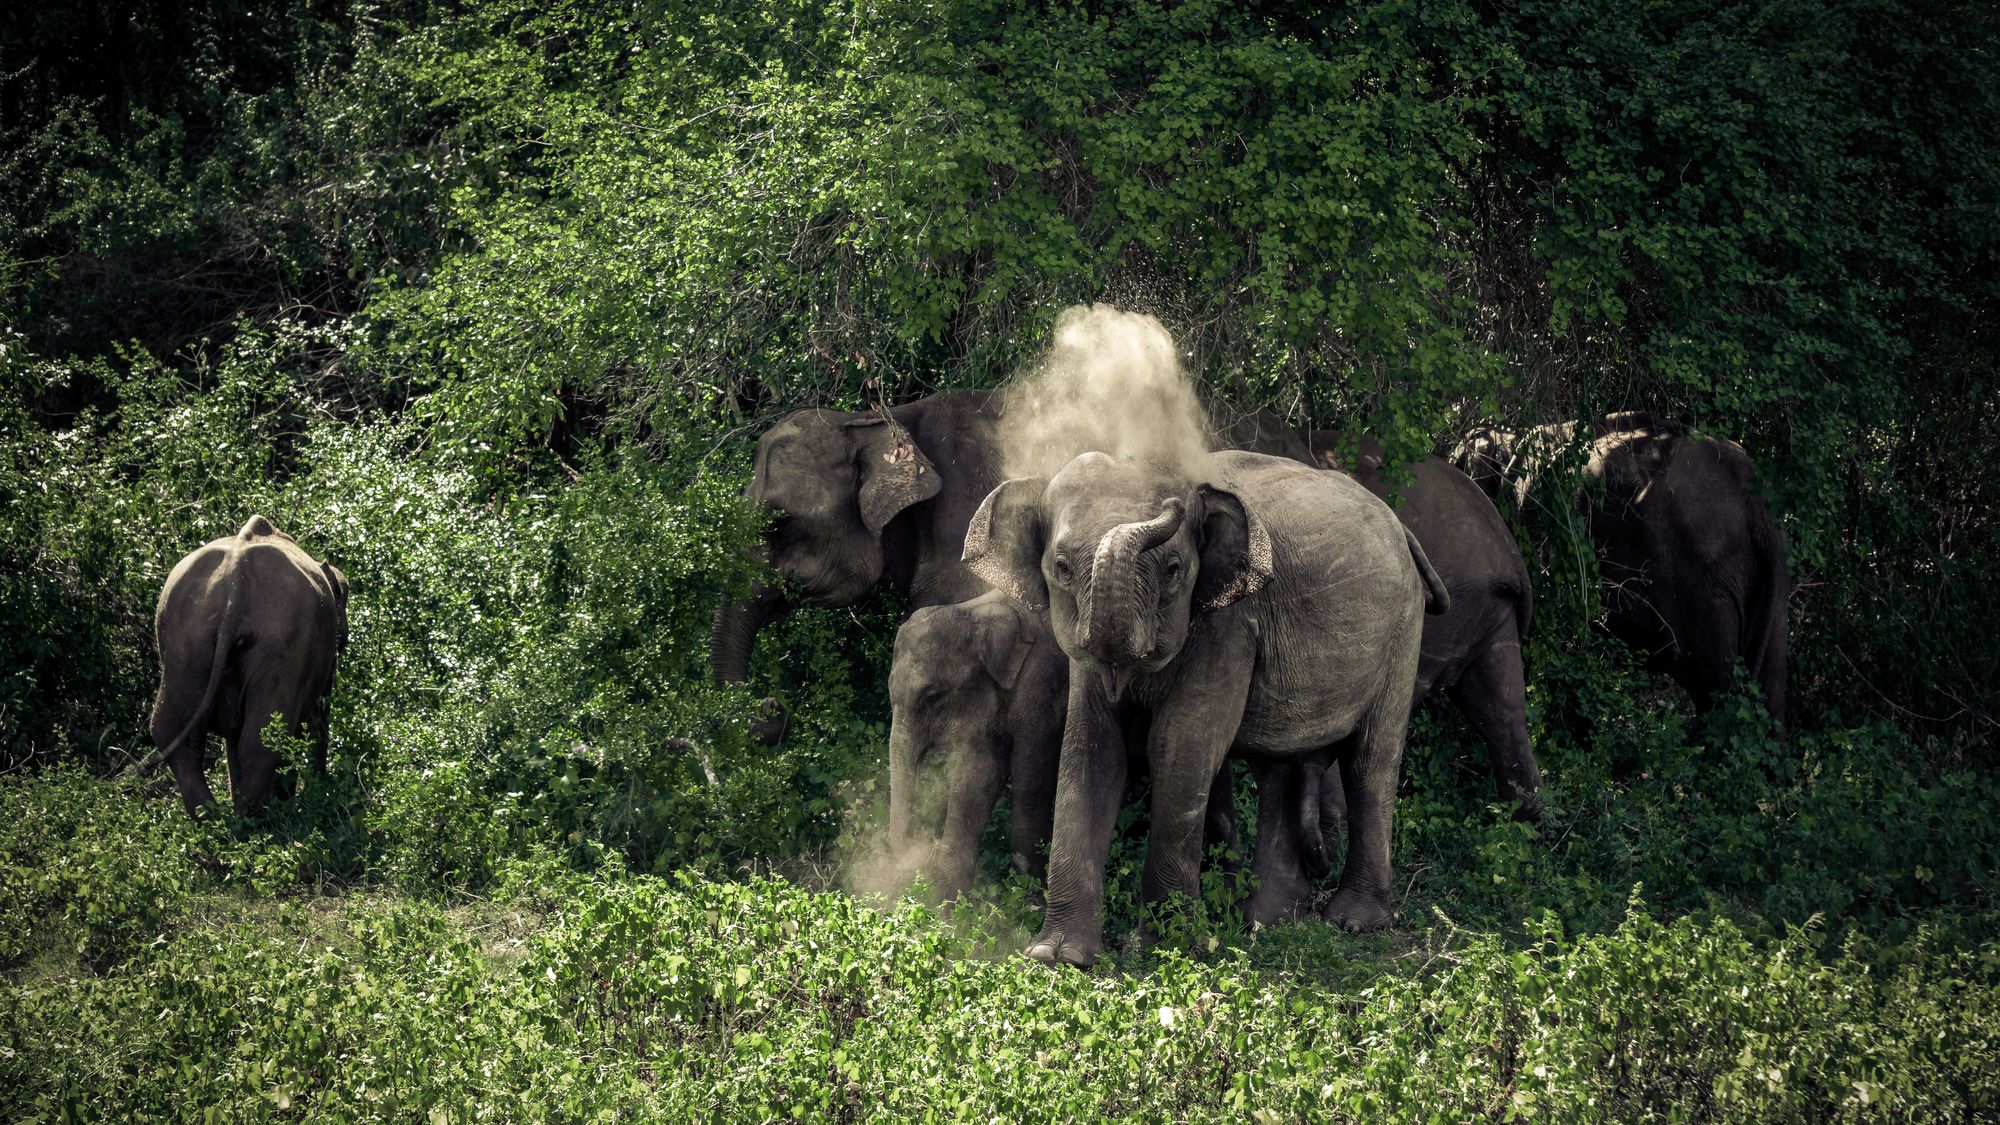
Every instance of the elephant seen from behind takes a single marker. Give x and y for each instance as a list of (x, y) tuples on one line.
[(1471, 652), (249, 627)]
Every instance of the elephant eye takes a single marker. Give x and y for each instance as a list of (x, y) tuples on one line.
[(1170, 571), (1062, 570)]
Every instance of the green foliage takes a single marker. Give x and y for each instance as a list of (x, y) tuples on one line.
[(759, 1000)]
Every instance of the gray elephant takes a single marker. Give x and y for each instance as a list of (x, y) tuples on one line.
[(1473, 652), (249, 627), (865, 499), (1692, 562), (982, 683), (1275, 613)]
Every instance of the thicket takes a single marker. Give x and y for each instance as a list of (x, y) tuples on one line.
[(483, 302)]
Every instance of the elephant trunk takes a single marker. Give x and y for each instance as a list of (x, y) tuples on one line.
[(736, 626), (906, 757), (1120, 618)]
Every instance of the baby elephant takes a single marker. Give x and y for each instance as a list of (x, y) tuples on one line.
[(248, 627), (984, 683)]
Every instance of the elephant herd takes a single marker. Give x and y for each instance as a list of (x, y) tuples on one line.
[(1121, 614)]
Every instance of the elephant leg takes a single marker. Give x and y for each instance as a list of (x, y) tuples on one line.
[(1332, 812), (322, 709), (232, 762), (186, 760), (1219, 825), (189, 776), (1370, 768), (1706, 634), (1190, 740), (255, 776), (1285, 789), (1090, 780), (1032, 800), (1491, 694), (975, 788)]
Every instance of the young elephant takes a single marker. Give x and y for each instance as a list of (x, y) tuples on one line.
[(1276, 613), (248, 627), (1473, 653), (982, 682)]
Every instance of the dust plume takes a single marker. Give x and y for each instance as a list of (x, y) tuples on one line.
[(1110, 381)]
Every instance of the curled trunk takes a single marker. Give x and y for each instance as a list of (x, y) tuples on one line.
[(735, 630), (1118, 619)]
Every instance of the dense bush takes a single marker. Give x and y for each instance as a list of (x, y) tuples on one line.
[(762, 1001)]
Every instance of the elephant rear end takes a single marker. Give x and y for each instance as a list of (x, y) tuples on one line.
[(188, 626), (249, 627)]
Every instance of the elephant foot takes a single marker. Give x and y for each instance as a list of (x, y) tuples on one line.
[(951, 888), (1359, 912), (1054, 949), (1270, 909)]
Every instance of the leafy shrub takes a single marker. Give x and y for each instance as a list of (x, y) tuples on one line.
[(760, 1000)]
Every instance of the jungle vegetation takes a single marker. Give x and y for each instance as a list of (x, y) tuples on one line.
[(485, 300)]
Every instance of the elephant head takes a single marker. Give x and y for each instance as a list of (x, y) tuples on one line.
[(832, 482), (1485, 454), (1122, 554)]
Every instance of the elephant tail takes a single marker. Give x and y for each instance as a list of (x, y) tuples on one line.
[(1437, 599), (225, 639)]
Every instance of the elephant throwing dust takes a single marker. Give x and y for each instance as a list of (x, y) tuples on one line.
[(870, 498), (248, 627), (1274, 613)]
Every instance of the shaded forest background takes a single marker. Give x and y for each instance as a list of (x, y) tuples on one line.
[(485, 301)]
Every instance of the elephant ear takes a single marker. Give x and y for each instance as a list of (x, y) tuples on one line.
[(1004, 640), (1003, 544), (1235, 550), (894, 473)]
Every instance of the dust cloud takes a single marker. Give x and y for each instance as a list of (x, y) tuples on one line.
[(877, 867), (1111, 381)]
